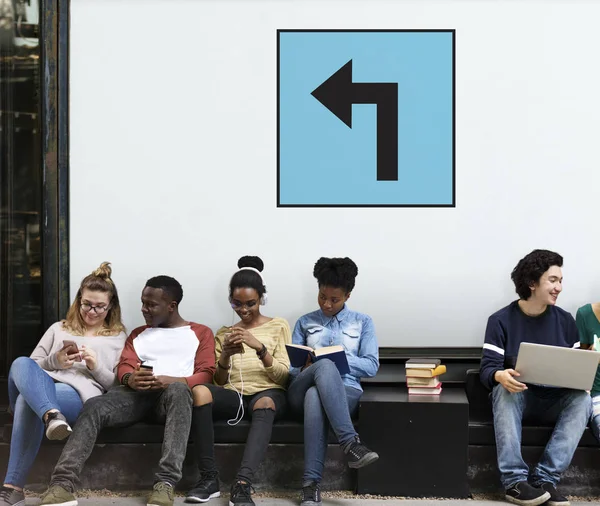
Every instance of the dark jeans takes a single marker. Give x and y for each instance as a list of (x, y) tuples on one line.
[(226, 402), (225, 406), (121, 407)]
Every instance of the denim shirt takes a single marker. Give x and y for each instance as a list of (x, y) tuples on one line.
[(354, 331)]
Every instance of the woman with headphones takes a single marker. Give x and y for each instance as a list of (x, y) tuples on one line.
[(250, 380)]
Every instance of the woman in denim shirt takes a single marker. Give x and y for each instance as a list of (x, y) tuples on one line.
[(326, 398)]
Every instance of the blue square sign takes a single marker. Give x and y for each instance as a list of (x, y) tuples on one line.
[(365, 118)]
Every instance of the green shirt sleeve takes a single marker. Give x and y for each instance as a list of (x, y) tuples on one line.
[(585, 337)]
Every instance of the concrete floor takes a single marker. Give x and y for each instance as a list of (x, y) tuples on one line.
[(135, 501)]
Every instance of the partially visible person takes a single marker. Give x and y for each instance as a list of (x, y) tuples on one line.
[(317, 391), (588, 325), (250, 380), (176, 356), (48, 389), (533, 318)]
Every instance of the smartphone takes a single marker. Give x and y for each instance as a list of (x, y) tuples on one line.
[(147, 367), (71, 348), (228, 337)]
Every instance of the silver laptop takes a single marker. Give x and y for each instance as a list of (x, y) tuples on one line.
[(557, 366)]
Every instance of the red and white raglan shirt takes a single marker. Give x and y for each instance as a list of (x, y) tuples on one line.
[(183, 352)]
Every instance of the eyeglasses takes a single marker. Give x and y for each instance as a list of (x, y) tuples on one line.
[(97, 309), (247, 305)]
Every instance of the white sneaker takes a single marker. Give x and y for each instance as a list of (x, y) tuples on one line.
[(57, 427)]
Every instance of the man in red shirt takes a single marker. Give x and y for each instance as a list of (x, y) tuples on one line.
[(160, 364)]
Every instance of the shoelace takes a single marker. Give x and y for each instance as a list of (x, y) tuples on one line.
[(205, 481), (310, 492), (358, 450), (160, 486), (55, 415), (5, 493), (242, 489)]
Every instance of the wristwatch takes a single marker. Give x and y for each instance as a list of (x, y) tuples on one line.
[(262, 352)]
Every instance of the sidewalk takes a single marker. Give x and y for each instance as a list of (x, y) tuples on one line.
[(140, 501)]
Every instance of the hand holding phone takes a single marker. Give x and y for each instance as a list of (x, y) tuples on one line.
[(142, 378), (68, 354), (231, 345)]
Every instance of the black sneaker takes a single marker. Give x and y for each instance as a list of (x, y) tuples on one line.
[(11, 497), (359, 455), (311, 494), (556, 499), (241, 494), (524, 494), (206, 488)]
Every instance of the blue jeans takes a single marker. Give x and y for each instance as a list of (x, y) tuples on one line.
[(31, 393), (569, 411), (320, 394)]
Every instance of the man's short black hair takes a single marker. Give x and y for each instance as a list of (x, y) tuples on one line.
[(170, 286), (530, 269)]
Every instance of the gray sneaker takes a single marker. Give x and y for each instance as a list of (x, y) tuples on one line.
[(162, 495), (11, 497), (58, 496), (57, 427)]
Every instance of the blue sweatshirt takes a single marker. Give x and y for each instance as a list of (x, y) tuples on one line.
[(509, 327)]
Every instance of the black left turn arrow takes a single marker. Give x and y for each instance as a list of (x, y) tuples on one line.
[(338, 93)]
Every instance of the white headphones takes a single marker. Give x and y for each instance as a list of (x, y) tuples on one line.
[(264, 298)]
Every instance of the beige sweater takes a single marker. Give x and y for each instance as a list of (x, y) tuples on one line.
[(274, 334), (87, 383)]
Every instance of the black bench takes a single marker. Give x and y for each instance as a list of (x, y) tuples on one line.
[(285, 431)]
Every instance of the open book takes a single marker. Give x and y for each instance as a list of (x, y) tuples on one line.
[(299, 353)]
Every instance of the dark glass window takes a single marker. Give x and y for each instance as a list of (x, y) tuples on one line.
[(21, 181)]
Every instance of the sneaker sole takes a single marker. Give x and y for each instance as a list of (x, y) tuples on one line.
[(191, 498), (531, 502), (369, 458), (68, 503), (559, 503), (59, 432), (232, 504)]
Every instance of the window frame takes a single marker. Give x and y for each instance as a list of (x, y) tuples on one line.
[(54, 87)]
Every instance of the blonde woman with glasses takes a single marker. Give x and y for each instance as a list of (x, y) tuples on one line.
[(73, 362)]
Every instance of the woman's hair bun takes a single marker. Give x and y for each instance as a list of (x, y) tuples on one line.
[(104, 271), (250, 261)]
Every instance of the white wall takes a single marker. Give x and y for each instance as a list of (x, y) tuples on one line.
[(173, 142)]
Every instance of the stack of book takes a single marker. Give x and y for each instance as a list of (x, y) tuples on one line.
[(423, 376)]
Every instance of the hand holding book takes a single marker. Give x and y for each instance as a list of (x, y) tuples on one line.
[(303, 356)]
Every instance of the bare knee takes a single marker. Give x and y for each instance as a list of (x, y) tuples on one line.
[(264, 403), (202, 395)]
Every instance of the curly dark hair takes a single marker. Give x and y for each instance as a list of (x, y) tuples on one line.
[(170, 286), (248, 278), (336, 272), (530, 269)]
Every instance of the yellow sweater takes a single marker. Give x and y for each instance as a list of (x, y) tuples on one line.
[(274, 334)]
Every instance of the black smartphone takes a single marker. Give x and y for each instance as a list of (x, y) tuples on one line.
[(147, 367)]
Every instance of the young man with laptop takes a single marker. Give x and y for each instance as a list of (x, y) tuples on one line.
[(533, 318)]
